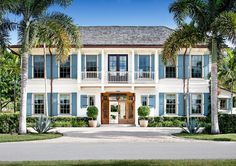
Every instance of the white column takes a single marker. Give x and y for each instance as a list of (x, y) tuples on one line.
[(156, 66), (132, 65), (136, 108), (103, 67), (79, 67)]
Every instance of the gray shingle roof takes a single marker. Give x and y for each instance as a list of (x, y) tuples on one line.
[(124, 35)]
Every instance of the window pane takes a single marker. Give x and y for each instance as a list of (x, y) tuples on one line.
[(223, 104), (170, 71), (123, 63), (65, 69), (65, 104), (91, 100), (196, 66), (112, 63), (38, 66), (196, 104), (91, 63), (171, 104), (39, 104), (144, 63), (144, 100)]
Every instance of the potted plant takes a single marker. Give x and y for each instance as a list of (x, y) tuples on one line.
[(92, 113), (143, 112)]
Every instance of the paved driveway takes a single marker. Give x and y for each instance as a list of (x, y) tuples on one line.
[(117, 143)]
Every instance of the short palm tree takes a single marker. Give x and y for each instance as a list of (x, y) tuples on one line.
[(186, 37), (33, 15), (227, 73), (210, 18)]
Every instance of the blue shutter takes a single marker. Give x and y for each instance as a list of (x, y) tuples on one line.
[(55, 104), (152, 101), (74, 104), (49, 103), (186, 66), (153, 65), (54, 67), (136, 66), (74, 65), (29, 104), (181, 104), (206, 104), (82, 62), (229, 104), (180, 66), (83, 101), (48, 66), (99, 65), (206, 66), (161, 104), (30, 66), (161, 68)]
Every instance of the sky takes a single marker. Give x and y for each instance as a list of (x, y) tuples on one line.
[(116, 12)]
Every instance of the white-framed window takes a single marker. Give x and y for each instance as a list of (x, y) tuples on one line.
[(171, 104), (170, 71), (196, 103), (91, 101), (38, 66), (144, 100), (196, 66), (223, 104), (65, 104), (91, 66), (38, 105), (65, 69)]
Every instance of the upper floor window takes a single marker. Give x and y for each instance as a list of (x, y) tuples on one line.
[(38, 104), (65, 69), (196, 66), (170, 104), (38, 66), (170, 71), (64, 104), (144, 100), (196, 101), (223, 104), (91, 66), (144, 63)]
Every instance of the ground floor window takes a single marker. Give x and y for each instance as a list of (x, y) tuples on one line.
[(223, 104), (91, 100), (170, 104), (196, 101), (64, 104), (38, 104), (144, 100)]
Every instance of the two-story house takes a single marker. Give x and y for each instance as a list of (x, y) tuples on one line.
[(118, 67)]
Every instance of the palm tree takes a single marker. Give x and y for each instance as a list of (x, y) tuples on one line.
[(227, 73), (186, 36), (32, 14), (207, 16)]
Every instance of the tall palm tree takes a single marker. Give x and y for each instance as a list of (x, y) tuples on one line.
[(32, 14), (227, 73), (207, 16), (185, 37)]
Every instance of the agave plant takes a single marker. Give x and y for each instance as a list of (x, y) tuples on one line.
[(43, 124), (192, 127)]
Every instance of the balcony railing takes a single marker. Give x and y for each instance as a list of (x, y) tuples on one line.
[(144, 75), (118, 76), (91, 76)]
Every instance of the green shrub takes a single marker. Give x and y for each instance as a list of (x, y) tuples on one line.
[(143, 112), (62, 124), (227, 123), (80, 123), (9, 122), (43, 124), (92, 112)]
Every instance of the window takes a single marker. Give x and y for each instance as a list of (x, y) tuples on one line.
[(144, 100), (91, 66), (64, 104), (144, 63), (170, 104), (196, 66), (91, 100), (38, 104), (223, 104), (38, 66), (196, 103), (65, 69), (170, 71)]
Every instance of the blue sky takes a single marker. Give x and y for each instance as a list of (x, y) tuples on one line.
[(117, 12)]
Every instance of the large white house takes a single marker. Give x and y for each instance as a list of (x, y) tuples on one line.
[(118, 66)]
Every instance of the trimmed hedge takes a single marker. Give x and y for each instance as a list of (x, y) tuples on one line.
[(227, 123), (9, 122)]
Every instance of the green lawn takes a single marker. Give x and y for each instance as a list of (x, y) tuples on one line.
[(217, 137), (27, 137), (125, 162)]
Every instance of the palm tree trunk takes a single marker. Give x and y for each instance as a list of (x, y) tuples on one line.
[(184, 79), (24, 80), (232, 98), (45, 80), (214, 89), (187, 99), (51, 81)]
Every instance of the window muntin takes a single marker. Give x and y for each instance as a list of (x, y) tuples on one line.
[(170, 104), (64, 104), (170, 71), (144, 63), (65, 69), (196, 101), (144, 100), (196, 66), (38, 66), (223, 104), (38, 104), (91, 63), (91, 100)]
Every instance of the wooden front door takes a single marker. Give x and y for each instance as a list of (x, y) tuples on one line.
[(105, 108)]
